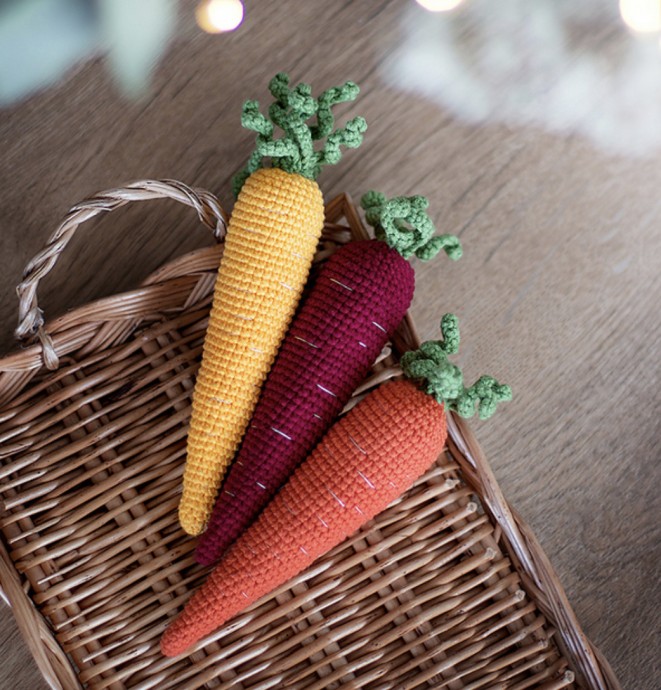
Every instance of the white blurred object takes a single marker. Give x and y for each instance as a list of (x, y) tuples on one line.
[(439, 5), (642, 15), (135, 33), (41, 39), (567, 66), (218, 16)]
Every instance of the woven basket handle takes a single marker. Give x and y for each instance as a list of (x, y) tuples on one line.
[(30, 316)]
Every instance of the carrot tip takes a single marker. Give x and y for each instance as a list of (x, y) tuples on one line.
[(191, 524), (170, 647)]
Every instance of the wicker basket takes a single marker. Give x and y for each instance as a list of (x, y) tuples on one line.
[(446, 588)]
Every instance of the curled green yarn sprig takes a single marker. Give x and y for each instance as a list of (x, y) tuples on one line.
[(295, 151), (404, 224), (444, 381)]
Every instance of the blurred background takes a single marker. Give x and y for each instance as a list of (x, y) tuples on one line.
[(591, 67), (534, 127)]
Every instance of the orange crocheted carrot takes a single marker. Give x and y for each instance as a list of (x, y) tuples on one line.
[(271, 239), (363, 463)]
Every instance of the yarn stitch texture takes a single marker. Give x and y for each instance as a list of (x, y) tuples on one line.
[(359, 298), (259, 284), (367, 459)]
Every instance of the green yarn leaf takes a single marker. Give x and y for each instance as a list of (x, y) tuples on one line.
[(444, 381), (450, 333), (404, 224), (279, 88), (448, 243), (252, 118), (372, 203), (325, 103), (294, 151), (350, 136)]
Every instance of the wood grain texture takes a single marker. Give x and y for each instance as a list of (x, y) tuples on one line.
[(557, 293)]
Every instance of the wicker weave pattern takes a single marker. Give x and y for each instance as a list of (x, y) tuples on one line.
[(358, 300), (94, 562), (271, 239)]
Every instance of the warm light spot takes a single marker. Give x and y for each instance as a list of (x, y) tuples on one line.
[(439, 5), (641, 15), (217, 16)]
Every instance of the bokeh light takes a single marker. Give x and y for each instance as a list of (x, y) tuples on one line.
[(218, 16), (642, 15), (439, 5)]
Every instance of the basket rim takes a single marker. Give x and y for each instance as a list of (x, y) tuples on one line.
[(29, 357), (538, 575)]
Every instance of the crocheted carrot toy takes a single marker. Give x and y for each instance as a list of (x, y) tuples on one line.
[(367, 459), (359, 298), (271, 239)]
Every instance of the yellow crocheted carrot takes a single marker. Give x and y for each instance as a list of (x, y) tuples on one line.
[(271, 239)]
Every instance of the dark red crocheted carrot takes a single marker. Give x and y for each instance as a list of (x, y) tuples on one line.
[(367, 459), (358, 300)]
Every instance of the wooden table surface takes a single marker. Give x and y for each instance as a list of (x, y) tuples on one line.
[(556, 291)]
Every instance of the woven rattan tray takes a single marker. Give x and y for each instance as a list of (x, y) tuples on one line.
[(446, 588)]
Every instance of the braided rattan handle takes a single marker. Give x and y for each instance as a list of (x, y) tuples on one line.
[(30, 316)]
